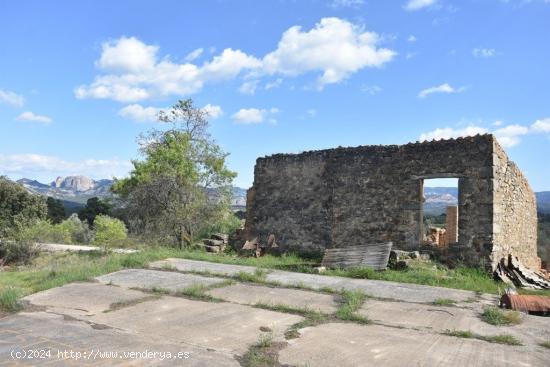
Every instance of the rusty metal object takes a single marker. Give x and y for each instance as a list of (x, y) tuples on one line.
[(526, 303)]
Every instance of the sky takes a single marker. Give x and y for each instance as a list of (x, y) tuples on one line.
[(80, 80)]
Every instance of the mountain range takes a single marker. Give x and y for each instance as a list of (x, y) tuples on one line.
[(76, 190)]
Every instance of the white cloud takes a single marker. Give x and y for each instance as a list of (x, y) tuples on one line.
[(484, 52), (443, 88), (36, 165), (334, 47), (30, 116), (213, 111), (346, 3), (541, 126), (249, 87), (449, 133), (411, 38), (508, 136), (193, 55), (371, 89), (413, 5), (139, 113), (274, 84), (312, 112), (249, 116), (11, 98), (131, 70)]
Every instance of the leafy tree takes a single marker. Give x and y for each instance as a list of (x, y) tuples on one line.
[(94, 207), (18, 208), (109, 230), (56, 210), (182, 185)]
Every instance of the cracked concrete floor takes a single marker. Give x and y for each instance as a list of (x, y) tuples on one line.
[(116, 314)]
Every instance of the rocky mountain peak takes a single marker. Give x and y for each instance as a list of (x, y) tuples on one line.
[(75, 183)]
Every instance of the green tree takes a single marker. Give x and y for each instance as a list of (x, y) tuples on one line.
[(56, 210), (18, 208), (182, 185), (109, 230), (94, 207)]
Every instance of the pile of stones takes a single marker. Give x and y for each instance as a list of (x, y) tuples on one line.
[(216, 243)]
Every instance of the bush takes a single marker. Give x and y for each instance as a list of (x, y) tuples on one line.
[(71, 230), (18, 208), (109, 230), (16, 252)]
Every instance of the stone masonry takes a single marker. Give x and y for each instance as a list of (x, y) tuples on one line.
[(371, 194), (451, 224)]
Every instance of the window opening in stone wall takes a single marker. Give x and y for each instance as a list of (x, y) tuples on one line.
[(440, 211)]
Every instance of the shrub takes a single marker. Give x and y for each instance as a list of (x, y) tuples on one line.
[(16, 252), (109, 230), (79, 230), (44, 231), (496, 316), (18, 208)]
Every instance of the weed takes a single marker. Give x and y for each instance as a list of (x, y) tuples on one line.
[(545, 344), (258, 276), (444, 302), (9, 300), (352, 301), (496, 316), (498, 339)]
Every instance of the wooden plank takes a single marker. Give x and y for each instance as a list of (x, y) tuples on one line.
[(373, 255)]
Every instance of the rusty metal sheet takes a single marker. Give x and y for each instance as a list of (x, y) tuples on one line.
[(526, 303)]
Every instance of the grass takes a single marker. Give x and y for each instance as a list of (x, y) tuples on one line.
[(198, 291), (444, 302), (9, 300), (545, 344), (265, 353), (498, 339), (496, 316), (51, 270), (258, 276), (123, 304), (352, 301)]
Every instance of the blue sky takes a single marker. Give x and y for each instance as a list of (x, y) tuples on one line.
[(80, 80)]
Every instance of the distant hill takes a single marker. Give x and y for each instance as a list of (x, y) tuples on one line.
[(543, 201), (74, 191)]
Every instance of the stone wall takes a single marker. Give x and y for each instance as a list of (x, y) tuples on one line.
[(515, 213), (351, 196)]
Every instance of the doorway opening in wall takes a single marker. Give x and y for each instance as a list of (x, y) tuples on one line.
[(439, 222)]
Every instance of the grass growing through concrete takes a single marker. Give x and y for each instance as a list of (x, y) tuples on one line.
[(498, 339), (258, 276), (545, 344), (444, 302), (265, 353), (496, 316), (198, 291), (351, 302), (123, 304)]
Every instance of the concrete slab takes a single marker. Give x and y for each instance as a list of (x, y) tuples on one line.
[(202, 266), (377, 288), (222, 326), (82, 299), (95, 346), (56, 247), (252, 294), (532, 330), (147, 279), (342, 345)]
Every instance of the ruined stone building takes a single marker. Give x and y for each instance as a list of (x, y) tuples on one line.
[(368, 194)]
